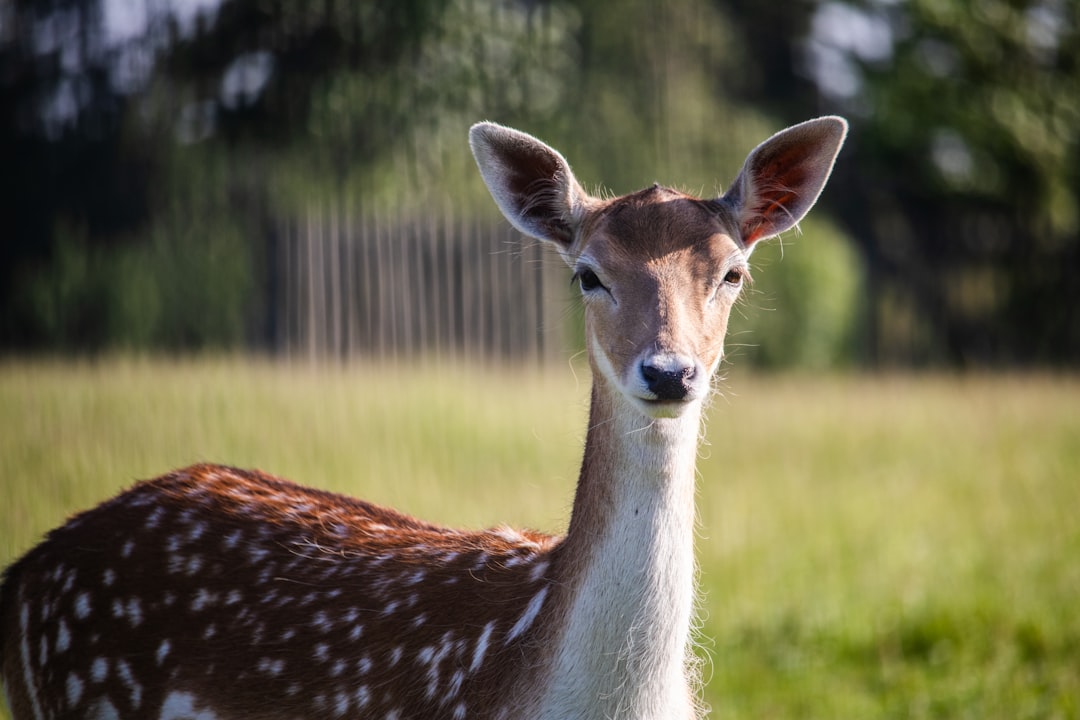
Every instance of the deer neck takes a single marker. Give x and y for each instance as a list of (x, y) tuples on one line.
[(627, 565)]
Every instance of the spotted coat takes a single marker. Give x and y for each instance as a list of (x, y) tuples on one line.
[(238, 590)]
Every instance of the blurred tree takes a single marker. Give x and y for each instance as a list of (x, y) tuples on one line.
[(801, 311), (962, 180), (141, 131), (140, 137)]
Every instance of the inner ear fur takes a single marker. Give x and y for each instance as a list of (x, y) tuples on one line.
[(531, 183), (783, 177)]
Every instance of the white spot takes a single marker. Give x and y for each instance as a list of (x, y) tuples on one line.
[(538, 571), (74, 690), (322, 652), (233, 597), (194, 564), (127, 549), (341, 703), (430, 656), (391, 607), (419, 620), (322, 621), (102, 709), (196, 531), (202, 599), (288, 635), (459, 711), (257, 554), (69, 581), (24, 651), (181, 706), (271, 666), (510, 535), (134, 612), (338, 668), (128, 678), (43, 651), (481, 646), (356, 632), (117, 608), (363, 665), (82, 605), (63, 637), (154, 518), (210, 631), (108, 577), (362, 696), (455, 684), (527, 617), (162, 651), (233, 539), (415, 578), (99, 670), (395, 655)]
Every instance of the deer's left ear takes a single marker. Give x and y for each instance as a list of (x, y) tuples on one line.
[(532, 183), (783, 177)]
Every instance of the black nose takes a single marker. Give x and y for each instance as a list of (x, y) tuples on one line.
[(668, 383)]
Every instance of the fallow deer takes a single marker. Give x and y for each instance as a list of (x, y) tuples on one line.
[(213, 593)]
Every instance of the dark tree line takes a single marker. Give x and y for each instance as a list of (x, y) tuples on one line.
[(149, 158)]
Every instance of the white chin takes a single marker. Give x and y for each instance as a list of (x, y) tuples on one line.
[(658, 409)]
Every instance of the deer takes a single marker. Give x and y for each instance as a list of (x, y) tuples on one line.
[(216, 593)]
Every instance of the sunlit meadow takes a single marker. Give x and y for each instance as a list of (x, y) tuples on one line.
[(870, 546)]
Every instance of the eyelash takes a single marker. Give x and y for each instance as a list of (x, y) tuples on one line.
[(734, 276), (588, 280)]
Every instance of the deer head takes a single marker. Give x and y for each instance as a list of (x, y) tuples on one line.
[(659, 270)]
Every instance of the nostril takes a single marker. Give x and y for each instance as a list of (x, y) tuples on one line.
[(668, 383)]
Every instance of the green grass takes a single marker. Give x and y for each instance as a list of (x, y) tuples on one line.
[(870, 547)]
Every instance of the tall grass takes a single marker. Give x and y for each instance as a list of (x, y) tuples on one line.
[(870, 547)]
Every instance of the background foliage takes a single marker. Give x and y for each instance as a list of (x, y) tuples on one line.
[(153, 151)]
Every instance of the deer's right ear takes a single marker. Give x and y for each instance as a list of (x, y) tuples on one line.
[(532, 183)]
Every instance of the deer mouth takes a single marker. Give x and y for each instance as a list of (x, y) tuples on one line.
[(660, 408)]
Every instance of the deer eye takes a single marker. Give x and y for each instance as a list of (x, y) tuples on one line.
[(734, 277), (588, 280)]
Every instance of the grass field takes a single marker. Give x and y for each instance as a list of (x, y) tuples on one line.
[(870, 547)]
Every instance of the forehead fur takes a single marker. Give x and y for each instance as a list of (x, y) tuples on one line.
[(659, 220)]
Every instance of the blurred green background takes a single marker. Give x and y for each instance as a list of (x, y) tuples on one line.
[(237, 174), (250, 231), (870, 546)]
